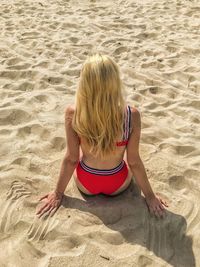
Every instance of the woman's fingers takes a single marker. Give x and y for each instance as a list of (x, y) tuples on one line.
[(151, 210), (164, 202), (156, 212), (47, 207), (160, 211), (43, 197), (50, 206), (156, 207), (43, 209), (161, 206)]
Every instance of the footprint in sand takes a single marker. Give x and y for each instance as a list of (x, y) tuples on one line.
[(13, 116)]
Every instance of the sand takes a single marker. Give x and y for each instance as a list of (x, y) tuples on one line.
[(42, 47)]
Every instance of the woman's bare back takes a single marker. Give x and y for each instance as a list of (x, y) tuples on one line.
[(108, 163)]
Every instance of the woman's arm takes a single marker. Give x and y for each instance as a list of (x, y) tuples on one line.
[(138, 170), (133, 158), (137, 167), (71, 157), (66, 171)]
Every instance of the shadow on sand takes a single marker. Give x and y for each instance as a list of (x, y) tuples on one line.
[(166, 237)]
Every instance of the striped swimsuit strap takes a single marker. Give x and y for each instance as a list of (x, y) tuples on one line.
[(102, 172), (127, 123)]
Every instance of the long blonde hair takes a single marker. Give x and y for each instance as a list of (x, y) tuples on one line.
[(100, 105)]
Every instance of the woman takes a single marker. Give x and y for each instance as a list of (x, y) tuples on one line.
[(105, 128)]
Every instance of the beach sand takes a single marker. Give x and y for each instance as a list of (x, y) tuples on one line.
[(43, 45)]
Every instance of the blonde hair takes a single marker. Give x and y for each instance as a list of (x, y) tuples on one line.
[(100, 105)]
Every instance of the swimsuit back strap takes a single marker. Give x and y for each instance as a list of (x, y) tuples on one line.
[(127, 123)]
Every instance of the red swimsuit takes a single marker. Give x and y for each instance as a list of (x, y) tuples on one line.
[(106, 181)]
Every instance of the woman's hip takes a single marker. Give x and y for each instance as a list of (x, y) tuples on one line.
[(102, 181)]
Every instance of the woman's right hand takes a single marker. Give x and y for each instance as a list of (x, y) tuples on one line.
[(52, 201), (156, 205)]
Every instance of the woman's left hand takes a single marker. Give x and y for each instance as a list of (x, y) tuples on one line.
[(155, 205), (52, 201)]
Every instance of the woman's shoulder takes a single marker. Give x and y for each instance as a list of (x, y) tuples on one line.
[(69, 110), (69, 113), (134, 110), (135, 116)]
